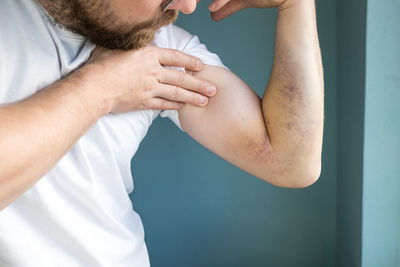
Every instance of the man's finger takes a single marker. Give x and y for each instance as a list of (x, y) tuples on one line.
[(173, 57), (164, 104), (217, 4), (228, 9), (188, 82), (175, 93)]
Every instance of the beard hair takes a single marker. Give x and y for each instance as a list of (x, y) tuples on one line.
[(94, 20)]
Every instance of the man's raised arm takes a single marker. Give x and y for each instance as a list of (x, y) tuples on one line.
[(278, 138)]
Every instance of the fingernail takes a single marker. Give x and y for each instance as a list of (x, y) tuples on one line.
[(211, 89), (199, 64), (203, 100), (212, 7)]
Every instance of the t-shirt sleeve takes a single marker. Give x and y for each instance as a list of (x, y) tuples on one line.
[(182, 40)]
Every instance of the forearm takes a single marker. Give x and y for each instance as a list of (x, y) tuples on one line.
[(293, 101), (36, 132)]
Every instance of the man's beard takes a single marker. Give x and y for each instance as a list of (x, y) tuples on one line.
[(95, 20)]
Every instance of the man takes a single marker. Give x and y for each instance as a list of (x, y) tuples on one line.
[(73, 115)]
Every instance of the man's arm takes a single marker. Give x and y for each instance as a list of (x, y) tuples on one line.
[(278, 138), (37, 131)]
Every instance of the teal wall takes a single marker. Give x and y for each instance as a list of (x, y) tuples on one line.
[(199, 210), (369, 133), (381, 196), (351, 89)]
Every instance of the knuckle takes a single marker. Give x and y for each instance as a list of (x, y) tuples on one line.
[(150, 52), (139, 52), (154, 72), (195, 99), (146, 103), (181, 78), (175, 93), (143, 105), (219, 2), (163, 104), (175, 105), (203, 86), (147, 96), (158, 75), (195, 62), (149, 49), (175, 56), (148, 86)]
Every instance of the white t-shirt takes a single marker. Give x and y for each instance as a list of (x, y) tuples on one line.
[(79, 213)]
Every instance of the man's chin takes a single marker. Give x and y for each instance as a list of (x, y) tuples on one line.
[(130, 42), (136, 39)]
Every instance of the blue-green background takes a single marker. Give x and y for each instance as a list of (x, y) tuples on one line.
[(199, 210)]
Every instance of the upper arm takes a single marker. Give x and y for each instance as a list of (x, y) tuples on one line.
[(232, 126)]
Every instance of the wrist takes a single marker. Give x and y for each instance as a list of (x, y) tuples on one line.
[(290, 4), (94, 89)]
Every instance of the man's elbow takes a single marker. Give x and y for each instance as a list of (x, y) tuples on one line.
[(305, 176), (298, 177)]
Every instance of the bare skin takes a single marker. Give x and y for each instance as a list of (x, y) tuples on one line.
[(278, 138)]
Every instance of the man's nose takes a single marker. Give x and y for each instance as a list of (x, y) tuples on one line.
[(185, 6)]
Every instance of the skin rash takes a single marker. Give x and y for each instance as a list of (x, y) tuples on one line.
[(292, 92)]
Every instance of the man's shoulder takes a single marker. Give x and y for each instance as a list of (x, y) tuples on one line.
[(175, 37)]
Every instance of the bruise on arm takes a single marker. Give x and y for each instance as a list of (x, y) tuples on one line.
[(287, 91), (232, 125), (290, 102)]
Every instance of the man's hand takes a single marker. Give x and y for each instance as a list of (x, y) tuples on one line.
[(221, 9), (50, 121), (137, 80)]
